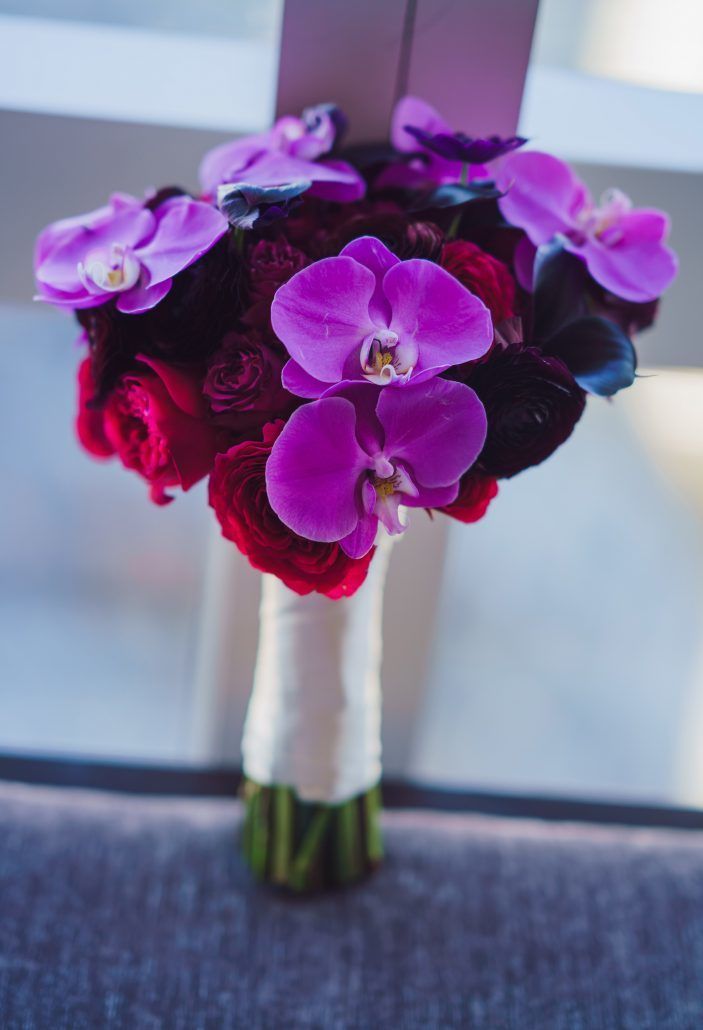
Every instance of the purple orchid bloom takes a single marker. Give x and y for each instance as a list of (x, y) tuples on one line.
[(467, 150), (345, 463), (368, 316), (623, 247), (288, 152), (123, 250)]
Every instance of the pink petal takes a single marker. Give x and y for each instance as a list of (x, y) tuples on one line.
[(63, 245), (360, 541), (375, 256), (321, 315), (336, 181), (297, 381), (419, 114), (185, 230), (640, 266), (448, 323), (226, 162), (543, 194), (437, 429), (312, 474), (141, 298)]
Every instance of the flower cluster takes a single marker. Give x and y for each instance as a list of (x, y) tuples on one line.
[(331, 341)]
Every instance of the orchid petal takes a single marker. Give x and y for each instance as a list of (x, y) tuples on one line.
[(542, 194), (360, 541), (313, 471), (421, 115), (299, 382), (640, 266), (437, 430), (142, 298), (321, 315), (449, 324), (375, 256), (185, 230)]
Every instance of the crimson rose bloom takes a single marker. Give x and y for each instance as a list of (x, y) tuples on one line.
[(243, 382), (483, 275), (476, 491), (154, 420), (238, 495), (532, 404)]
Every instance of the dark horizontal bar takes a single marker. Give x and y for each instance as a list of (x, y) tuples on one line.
[(199, 782)]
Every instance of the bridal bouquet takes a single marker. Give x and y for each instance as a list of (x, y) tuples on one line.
[(333, 338)]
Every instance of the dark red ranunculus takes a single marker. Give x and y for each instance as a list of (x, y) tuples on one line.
[(532, 403), (484, 275), (155, 421), (238, 496), (272, 263), (476, 491), (243, 382)]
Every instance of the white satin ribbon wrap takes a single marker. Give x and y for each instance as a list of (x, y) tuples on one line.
[(314, 717)]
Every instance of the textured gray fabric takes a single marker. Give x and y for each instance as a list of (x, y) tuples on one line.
[(136, 913)]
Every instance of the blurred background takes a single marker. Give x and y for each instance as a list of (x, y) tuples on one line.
[(558, 644)]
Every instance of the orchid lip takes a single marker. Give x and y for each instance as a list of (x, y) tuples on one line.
[(111, 271), (382, 358), (390, 482)]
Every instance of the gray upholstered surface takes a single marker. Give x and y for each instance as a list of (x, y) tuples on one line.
[(135, 913)]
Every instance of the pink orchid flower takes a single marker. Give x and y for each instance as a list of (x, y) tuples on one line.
[(368, 316), (345, 463), (623, 247), (287, 153), (124, 251)]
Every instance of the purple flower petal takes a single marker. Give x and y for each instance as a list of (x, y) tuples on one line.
[(375, 256), (434, 497), (418, 113), (299, 382), (185, 230), (261, 162), (430, 306), (226, 162), (437, 429), (321, 315), (63, 246), (360, 541), (542, 194), (639, 266), (142, 298), (313, 471)]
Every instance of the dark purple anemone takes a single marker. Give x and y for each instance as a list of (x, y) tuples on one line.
[(472, 150)]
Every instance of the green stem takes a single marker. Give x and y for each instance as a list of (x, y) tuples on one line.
[(304, 846)]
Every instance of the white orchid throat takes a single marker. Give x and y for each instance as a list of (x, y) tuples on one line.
[(110, 270), (384, 359)]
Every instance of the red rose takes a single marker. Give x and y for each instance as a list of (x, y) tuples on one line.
[(489, 279), (154, 420), (238, 496), (476, 491), (243, 383)]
